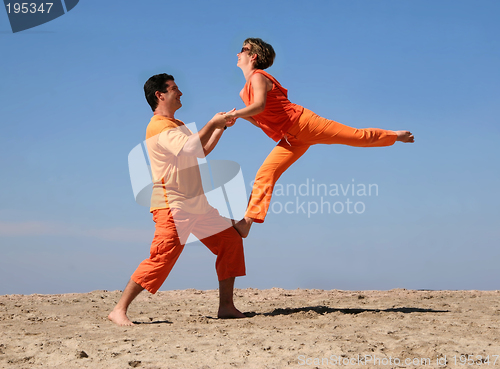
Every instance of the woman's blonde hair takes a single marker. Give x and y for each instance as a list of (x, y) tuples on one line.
[(265, 52)]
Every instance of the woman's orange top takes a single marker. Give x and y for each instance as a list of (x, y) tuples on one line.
[(279, 114)]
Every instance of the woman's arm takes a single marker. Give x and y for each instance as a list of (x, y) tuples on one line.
[(251, 120), (260, 85)]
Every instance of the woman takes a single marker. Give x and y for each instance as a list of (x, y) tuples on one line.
[(295, 127)]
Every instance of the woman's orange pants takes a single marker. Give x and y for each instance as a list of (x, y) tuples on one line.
[(310, 129), (170, 238)]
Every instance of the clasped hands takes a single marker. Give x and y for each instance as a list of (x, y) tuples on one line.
[(230, 117), (226, 119)]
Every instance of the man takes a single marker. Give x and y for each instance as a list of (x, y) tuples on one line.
[(178, 203)]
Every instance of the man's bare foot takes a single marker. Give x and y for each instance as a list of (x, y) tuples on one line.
[(120, 318), (243, 226), (230, 313), (405, 136)]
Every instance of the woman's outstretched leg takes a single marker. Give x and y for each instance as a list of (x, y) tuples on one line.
[(313, 129), (405, 136)]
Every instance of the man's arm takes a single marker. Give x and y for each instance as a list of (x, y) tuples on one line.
[(202, 143), (217, 135), (207, 149)]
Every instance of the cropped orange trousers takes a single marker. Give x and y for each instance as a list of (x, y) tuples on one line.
[(169, 240), (310, 129)]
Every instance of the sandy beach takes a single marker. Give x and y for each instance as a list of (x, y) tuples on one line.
[(285, 329)]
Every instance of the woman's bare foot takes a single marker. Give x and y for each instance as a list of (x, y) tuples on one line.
[(243, 226), (229, 313), (120, 318), (405, 136)]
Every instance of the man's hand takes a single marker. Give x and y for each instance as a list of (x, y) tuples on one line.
[(219, 120)]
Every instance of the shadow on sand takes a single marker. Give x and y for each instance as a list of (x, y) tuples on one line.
[(154, 322), (328, 310)]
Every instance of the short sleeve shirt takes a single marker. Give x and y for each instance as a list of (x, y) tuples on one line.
[(176, 178)]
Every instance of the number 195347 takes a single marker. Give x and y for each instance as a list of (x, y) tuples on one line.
[(28, 7)]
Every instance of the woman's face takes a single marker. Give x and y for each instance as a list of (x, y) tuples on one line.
[(243, 56)]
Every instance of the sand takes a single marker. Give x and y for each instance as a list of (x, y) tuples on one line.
[(287, 329)]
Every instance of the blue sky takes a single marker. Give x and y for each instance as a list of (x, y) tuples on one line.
[(72, 108)]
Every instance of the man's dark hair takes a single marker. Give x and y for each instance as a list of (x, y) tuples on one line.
[(156, 83)]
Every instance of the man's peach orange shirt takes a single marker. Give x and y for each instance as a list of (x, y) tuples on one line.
[(176, 178)]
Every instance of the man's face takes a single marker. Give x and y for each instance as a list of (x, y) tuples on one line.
[(172, 96)]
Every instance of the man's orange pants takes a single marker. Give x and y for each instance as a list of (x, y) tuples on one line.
[(309, 130), (169, 240)]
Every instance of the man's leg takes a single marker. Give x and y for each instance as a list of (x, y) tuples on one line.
[(227, 310), (119, 313), (228, 246), (152, 272)]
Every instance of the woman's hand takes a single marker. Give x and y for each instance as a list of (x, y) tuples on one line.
[(230, 117)]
